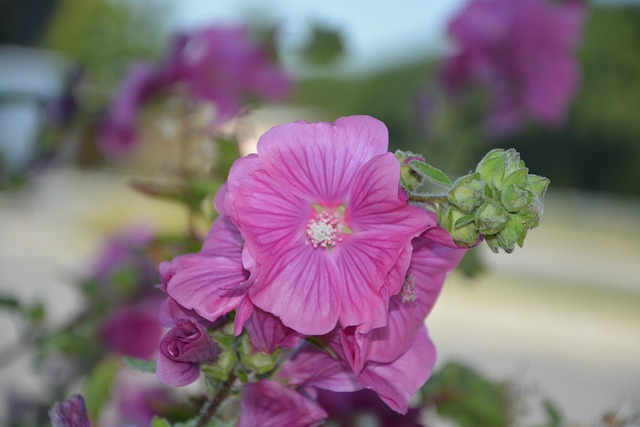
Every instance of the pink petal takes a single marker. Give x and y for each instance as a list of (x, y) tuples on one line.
[(398, 381), (267, 332), (302, 289)]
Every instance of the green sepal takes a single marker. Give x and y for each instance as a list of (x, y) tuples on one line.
[(539, 184), (429, 172), (225, 364), (491, 217)]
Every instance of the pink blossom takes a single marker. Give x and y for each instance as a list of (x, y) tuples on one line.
[(267, 332), (181, 352), (271, 404), (70, 413), (324, 222), (394, 382), (522, 52)]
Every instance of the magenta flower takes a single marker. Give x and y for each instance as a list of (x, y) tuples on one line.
[(181, 352), (70, 413), (267, 332), (522, 52), (271, 404), (325, 223), (133, 330), (394, 382)]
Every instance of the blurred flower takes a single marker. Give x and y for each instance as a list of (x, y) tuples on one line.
[(182, 350), (139, 404), (70, 413), (133, 330), (522, 52), (271, 404), (348, 409), (321, 214), (223, 67), (123, 268)]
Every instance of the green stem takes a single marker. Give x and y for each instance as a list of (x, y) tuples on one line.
[(429, 199), (210, 407)]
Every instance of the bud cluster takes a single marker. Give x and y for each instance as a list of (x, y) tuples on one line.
[(500, 201)]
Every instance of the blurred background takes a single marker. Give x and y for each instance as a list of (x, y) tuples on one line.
[(88, 148)]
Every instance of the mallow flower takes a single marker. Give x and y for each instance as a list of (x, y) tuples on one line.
[(326, 228), (182, 350), (522, 52)]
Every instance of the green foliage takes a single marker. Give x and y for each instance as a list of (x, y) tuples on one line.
[(466, 397), (140, 365), (430, 173), (99, 384), (324, 48), (104, 37)]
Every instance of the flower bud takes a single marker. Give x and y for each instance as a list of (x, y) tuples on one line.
[(70, 413), (181, 352), (463, 232), (467, 192), (409, 178), (491, 217)]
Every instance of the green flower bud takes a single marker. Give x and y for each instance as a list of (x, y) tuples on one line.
[(468, 192), (409, 178), (461, 227), (514, 232), (515, 198), (491, 217)]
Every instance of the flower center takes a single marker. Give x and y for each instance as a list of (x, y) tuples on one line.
[(408, 292), (325, 230)]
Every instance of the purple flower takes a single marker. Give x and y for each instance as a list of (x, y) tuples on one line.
[(133, 331), (224, 67), (323, 219), (522, 52), (70, 413), (139, 404), (182, 350), (271, 404)]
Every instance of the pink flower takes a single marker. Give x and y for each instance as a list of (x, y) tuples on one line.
[(324, 222), (70, 413), (394, 382), (522, 51), (181, 352), (271, 404)]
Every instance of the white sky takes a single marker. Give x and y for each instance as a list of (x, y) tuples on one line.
[(376, 32)]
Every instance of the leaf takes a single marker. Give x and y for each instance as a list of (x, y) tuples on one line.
[(140, 365), (462, 221), (429, 172), (99, 385), (9, 303), (160, 422)]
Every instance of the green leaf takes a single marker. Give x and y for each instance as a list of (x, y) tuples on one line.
[(429, 172), (9, 303), (467, 219), (140, 365), (99, 386), (160, 422)]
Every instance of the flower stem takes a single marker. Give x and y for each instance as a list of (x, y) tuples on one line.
[(429, 199), (212, 404)]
